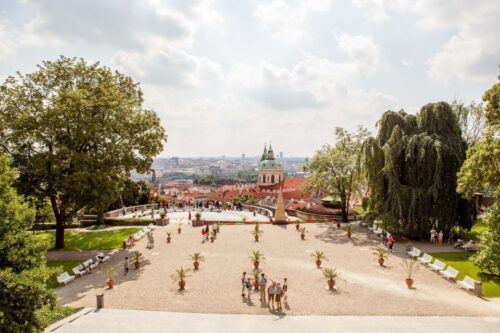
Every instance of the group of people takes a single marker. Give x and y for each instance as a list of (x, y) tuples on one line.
[(437, 237), (275, 292), (387, 240), (205, 232)]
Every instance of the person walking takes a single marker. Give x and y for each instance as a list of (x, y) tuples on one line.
[(270, 294), (390, 242), (262, 287), (384, 237), (243, 283), (285, 289), (203, 233), (151, 240), (248, 285), (433, 232), (125, 266), (207, 231), (278, 293)]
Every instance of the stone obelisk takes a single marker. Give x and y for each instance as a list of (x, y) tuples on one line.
[(280, 214)]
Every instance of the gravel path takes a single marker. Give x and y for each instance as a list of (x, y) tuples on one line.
[(363, 288)]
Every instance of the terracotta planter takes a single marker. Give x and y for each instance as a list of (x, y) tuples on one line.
[(318, 263), (297, 227), (256, 264), (409, 283), (182, 284), (111, 283), (168, 239), (349, 234), (338, 225), (137, 264), (331, 284), (196, 265), (302, 236), (212, 239), (256, 238), (256, 285), (179, 230), (381, 262)]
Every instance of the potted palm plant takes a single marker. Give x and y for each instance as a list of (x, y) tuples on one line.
[(197, 216), (213, 235), (319, 255), (330, 275), (111, 278), (297, 226), (256, 279), (381, 256), (197, 257), (137, 259), (179, 228), (410, 266), (168, 236), (257, 233), (180, 277), (349, 231), (256, 258), (303, 233)]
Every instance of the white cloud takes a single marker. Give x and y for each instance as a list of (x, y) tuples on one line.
[(168, 67), (285, 19), (7, 38)]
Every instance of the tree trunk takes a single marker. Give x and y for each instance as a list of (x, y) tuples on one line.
[(60, 220), (344, 209)]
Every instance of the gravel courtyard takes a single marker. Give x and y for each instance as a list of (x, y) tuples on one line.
[(363, 287)]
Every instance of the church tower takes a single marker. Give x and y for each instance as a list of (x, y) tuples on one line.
[(270, 170)]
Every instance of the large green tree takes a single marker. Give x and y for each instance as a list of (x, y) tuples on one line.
[(411, 167), (23, 275), (337, 170), (480, 173), (75, 131)]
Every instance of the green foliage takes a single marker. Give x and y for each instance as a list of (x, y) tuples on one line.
[(411, 167), (247, 176), (488, 257), (133, 194), (471, 120), (49, 316), (461, 261), (75, 131), (23, 275), (337, 170), (91, 240), (492, 111), (246, 198), (58, 267)]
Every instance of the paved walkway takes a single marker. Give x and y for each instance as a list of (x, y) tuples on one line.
[(125, 321)]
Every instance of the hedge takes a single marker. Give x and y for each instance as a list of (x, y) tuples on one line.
[(127, 222)]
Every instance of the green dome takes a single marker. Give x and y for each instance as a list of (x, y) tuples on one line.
[(269, 164)]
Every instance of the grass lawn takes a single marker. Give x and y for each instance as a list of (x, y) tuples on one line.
[(477, 230), (94, 240), (461, 262), (49, 316), (65, 265)]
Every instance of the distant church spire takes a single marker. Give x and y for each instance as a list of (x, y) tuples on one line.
[(270, 153), (264, 154)]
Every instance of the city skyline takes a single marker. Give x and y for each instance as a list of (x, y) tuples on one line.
[(226, 77)]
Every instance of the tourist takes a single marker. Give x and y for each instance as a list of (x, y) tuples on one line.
[(243, 283), (433, 233), (248, 285), (214, 228), (203, 233), (390, 242), (270, 294), (384, 237), (130, 240), (278, 293), (440, 237), (151, 241), (285, 289), (189, 216), (125, 266), (207, 230), (262, 286)]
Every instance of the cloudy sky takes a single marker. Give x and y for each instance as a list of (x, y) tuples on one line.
[(227, 76)]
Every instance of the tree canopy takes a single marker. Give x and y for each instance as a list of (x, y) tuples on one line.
[(23, 275), (411, 167), (337, 170), (75, 131)]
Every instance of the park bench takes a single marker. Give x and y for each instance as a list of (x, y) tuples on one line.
[(101, 257), (437, 265), (65, 278), (79, 270), (414, 253), (470, 284), (449, 273), (378, 231), (425, 259), (90, 263)]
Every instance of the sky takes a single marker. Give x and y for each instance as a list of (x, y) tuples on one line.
[(226, 77)]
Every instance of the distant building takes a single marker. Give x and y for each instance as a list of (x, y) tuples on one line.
[(281, 155), (270, 171), (243, 156)]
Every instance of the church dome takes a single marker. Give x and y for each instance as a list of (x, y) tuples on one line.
[(269, 164)]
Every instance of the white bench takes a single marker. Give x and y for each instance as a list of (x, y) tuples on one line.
[(101, 257), (151, 226), (65, 278), (449, 273), (79, 270), (425, 259), (437, 265), (414, 253), (467, 283), (378, 231), (90, 262)]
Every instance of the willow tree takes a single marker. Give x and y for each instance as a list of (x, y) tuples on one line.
[(336, 170), (75, 131), (411, 167)]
